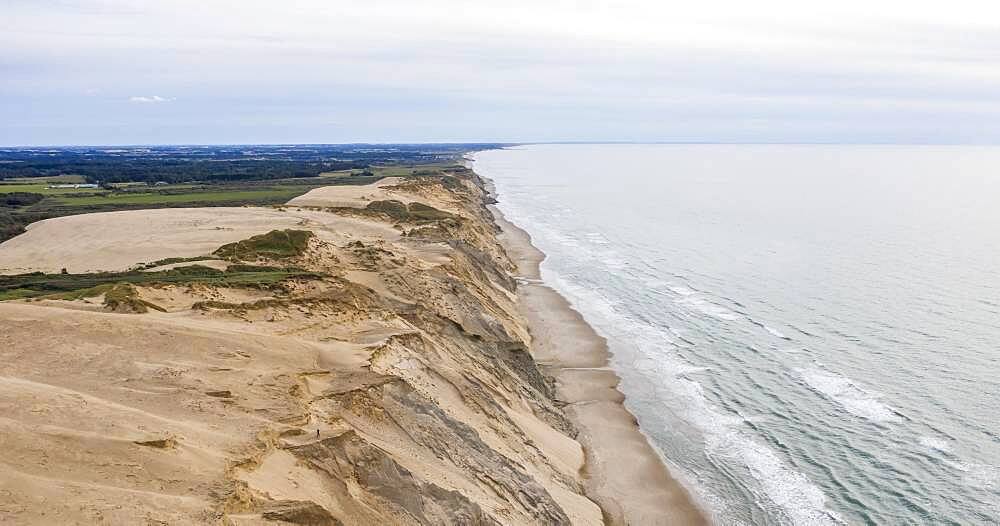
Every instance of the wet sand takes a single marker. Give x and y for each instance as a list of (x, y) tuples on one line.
[(623, 473)]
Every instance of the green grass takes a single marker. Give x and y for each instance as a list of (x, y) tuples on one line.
[(403, 170), (277, 194), (276, 244), (64, 202), (123, 297), (54, 179), (6, 188), (76, 286), (339, 173), (408, 212), (171, 261)]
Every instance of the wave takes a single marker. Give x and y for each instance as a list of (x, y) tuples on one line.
[(596, 238), (798, 498), (791, 492), (776, 332), (683, 290), (770, 330), (677, 333), (708, 308), (974, 474), (935, 443), (852, 397)]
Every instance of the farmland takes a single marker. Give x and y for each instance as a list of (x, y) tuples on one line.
[(180, 177)]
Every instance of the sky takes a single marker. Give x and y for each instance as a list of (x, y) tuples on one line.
[(99, 72)]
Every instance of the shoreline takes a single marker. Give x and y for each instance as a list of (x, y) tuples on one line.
[(571, 352)]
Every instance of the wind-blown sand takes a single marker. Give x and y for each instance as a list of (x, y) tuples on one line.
[(624, 474)]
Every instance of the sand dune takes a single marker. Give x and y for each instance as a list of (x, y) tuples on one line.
[(114, 241), (393, 386)]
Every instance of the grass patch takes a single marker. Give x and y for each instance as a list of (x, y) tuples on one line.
[(64, 202), (268, 194), (171, 261), (44, 189), (52, 179), (78, 286), (119, 297), (123, 297), (276, 244), (408, 212), (411, 170)]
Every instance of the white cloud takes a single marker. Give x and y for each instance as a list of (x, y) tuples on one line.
[(528, 69), (149, 100)]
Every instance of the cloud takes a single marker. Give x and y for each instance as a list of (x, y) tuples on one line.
[(150, 100), (712, 70)]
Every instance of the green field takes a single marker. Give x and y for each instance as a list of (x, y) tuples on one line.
[(276, 194), (43, 189), (54, 179), (407, 170), (17, 213)]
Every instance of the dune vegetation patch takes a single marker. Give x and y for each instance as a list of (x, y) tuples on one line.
[(76, 286), (172, 261), (276, 244), (414, 211)]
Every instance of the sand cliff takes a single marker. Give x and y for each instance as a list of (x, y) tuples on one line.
[(396, 386)]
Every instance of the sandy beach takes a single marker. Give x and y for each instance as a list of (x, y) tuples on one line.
[(576, 357)]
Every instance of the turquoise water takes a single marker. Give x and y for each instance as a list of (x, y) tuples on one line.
[(809, 334)]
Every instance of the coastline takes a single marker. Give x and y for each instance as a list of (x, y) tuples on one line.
[(388, 383), (570, 351), (391, 382)]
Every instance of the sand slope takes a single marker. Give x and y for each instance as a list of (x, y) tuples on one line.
[(397, 389)]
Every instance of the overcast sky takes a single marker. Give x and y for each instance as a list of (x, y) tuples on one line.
[(292, 71)]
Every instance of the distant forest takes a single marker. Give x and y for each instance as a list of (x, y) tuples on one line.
[(178, 164)]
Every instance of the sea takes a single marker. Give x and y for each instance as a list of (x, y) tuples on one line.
[(808, 334)]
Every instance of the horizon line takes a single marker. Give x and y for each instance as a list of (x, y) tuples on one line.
[(500, 143)]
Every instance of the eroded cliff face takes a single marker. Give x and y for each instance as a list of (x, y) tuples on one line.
[(397, 388)]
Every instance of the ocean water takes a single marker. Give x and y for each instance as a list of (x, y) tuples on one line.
[(808, 334)]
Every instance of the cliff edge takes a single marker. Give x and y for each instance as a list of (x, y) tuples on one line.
[(354, 357)]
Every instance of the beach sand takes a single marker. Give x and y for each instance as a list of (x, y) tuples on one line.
[(623, 473)]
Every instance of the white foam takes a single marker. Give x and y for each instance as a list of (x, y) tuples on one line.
[(708, 308), (983, 476), (801, 501), (682, 290), (614, 262), (935, 443), (797, 498), (775, 332), (852, 397)]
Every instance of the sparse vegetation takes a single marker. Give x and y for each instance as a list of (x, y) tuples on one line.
[(77, 286), (407, 212), (123, 297), (276, 244), (260, 187), (171, 261)]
